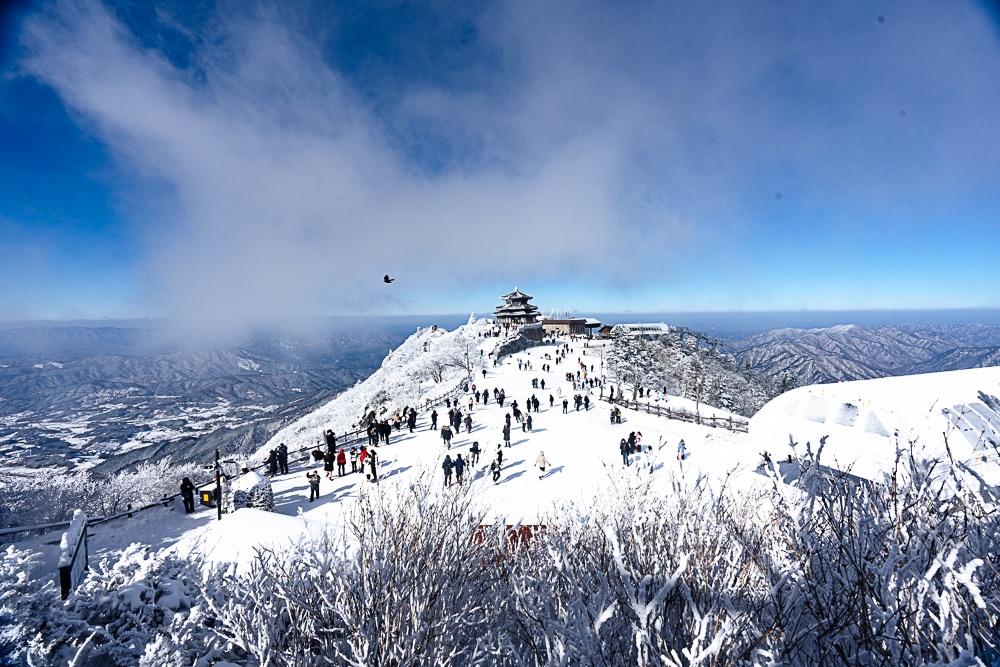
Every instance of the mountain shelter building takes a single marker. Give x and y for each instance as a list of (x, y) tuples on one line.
[(575, 326), (516, 310)]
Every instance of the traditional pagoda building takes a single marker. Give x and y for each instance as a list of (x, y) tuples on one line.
[(516, 310)]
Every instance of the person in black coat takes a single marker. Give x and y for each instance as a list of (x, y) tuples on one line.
[(187, 495), (328, 460), (372, 461), (283, 459), (272, 463), (331, 440), (447, 465)]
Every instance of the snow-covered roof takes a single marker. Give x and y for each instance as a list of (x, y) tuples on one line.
[(647, 329), (516, 295)]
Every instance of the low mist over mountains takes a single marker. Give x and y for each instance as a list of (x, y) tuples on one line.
[(853, 352), (109, 396)]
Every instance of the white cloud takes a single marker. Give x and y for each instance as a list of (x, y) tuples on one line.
[(595, 137)]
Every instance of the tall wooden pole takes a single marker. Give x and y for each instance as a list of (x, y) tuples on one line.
[(218, 485)]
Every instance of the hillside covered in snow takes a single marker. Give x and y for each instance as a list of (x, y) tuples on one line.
[(580, 551)]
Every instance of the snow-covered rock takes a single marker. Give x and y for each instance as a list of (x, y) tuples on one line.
[(952, 416), (252, 490)]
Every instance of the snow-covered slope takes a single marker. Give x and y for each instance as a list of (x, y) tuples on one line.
[(427, 366), (582, 447), (865, 420)]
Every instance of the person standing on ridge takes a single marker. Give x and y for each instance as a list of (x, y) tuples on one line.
[(187, 495), (283, 458), (373, 463), (313, 478), (328, 460), (341, 463)]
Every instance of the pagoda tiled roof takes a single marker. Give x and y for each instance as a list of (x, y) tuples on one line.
[(516, 295)]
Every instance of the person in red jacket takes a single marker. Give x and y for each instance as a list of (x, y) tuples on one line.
[(341, 462)]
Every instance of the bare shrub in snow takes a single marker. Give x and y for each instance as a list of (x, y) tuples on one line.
[(405, 585), (826, 570)]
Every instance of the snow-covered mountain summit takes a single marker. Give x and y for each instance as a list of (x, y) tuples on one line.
[(430, 364)]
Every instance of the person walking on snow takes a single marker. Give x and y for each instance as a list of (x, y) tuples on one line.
[(341, 463), (447, 465), (434, 420), (542, 463), (459, 468), (354, 459), (506, 435), (625, 450), (681, 450), (495, 469), (446, 435), (474, 450)]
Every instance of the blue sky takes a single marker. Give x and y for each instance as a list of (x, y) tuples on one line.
[(240, 159)]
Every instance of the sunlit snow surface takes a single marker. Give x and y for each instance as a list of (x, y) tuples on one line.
[(865, 420), (861, 419)]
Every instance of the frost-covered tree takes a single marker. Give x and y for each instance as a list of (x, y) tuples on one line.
[(824, 570), (630, 359)]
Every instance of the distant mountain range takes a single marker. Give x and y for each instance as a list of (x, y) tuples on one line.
[(107, 397), (853, 352)]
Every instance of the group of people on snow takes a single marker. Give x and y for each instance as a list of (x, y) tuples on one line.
[(365, 458)]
